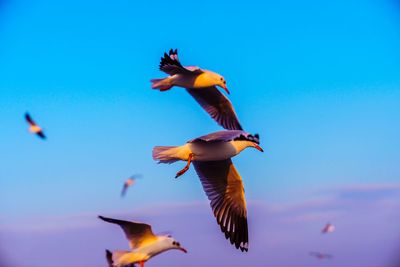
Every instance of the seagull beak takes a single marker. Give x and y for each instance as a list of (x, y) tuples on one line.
[(183, 250), (223, 86), (258, 147)]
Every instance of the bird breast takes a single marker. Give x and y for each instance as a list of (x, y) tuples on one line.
[(213, 151)]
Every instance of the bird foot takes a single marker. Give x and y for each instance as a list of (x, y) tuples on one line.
[(186, 167)]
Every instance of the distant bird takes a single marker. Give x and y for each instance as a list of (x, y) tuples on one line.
[(201, 85), (321, 256), (328, 228), (143, 243), (211, 156), (129, 182), (33, 127)]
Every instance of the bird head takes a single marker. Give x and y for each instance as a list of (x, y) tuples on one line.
[(173, 244), (218, 80)]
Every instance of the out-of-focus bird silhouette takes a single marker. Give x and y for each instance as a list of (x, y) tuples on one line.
[(128, 183), (328, 228), (34, 127), (320, 256)]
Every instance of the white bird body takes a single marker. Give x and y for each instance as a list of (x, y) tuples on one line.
[(211, 156), (35, 129), (196, 81), (143, 242), (144, 253), (329, 228), (205, 151)]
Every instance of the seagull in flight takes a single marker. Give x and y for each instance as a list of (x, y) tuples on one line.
[(211, 156), (143, 242), (328, 228), (201, 85), (129, 182), (33, 127)]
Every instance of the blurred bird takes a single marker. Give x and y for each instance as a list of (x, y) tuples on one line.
[(201, 85), (129, 182), (143, 243), (321, 256), (211, 156), (33, 127), (328, 228)]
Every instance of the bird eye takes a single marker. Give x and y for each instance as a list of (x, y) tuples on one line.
[(174, 243), (222, 79)]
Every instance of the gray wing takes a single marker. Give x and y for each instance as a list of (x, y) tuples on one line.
[(217, 106), (224, 188), (170, 64), (137, 233), (224, 136)]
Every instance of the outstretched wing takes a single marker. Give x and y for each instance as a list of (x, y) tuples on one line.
[(124, 189), (170, 64), (220, 136), (29, 119), (41, 135), (138, 234), (217, 105), (226, 136), (224, 188)]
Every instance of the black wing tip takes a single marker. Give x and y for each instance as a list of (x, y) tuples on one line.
[(173, 52), (239, 236), (41, 135), (109, 258), (170, 59), (104, 218)]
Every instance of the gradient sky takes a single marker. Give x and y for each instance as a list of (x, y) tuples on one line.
[(319, 82)]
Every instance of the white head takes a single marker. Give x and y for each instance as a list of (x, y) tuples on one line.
[(171, 243), (242, 144), (217, 80)]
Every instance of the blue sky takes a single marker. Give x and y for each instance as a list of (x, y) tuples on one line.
[(318, 81)]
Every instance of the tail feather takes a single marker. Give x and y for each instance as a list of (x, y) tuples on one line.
[(165, 154), (114, 259), (163, 84)]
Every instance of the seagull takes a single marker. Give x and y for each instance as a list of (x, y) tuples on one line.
[(211, 156), (33, 127), (201, 85), (321, 256), (143, 242), (328, 228), (129, 182)]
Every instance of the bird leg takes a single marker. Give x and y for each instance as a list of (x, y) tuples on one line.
[(142, 264), (186, 167)]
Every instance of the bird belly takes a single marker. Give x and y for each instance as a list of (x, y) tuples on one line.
[(185, 81), (130, 258), (34, 129), (213, 151)]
